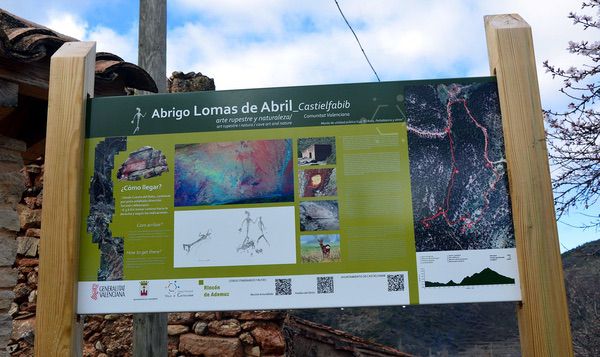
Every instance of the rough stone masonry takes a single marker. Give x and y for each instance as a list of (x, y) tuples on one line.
[(209, 334), (12, 184)]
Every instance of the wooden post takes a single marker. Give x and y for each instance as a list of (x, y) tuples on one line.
[(150, 330), (71, 82), (152, 51), (543, 315)]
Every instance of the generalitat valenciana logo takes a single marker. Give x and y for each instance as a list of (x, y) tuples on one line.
[(94, 291)]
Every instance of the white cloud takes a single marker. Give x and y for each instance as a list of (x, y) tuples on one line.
[(273, 42), (551, 32), (266, 17), (264, 43), (107, 40), (400, 45), (68, 18), (67, 24)]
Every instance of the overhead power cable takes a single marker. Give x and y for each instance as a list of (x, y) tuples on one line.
[(357, 40)]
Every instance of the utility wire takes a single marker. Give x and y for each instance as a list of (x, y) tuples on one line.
[(357, 40)]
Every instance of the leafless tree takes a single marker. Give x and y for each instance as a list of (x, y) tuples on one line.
[(574, 133)]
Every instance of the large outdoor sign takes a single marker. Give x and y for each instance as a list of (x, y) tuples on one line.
[(387, 193)]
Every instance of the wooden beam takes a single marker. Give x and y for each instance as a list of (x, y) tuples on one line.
[(543, 315), (71, 82), (33, 91), (9, 94), (5, 112), (150, 330), (152, 52), (34, 151), (35, 74), (32, 78)]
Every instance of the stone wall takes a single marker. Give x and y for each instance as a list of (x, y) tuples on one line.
[(11, 188), (190, 334), (23, 307), (206, 334)]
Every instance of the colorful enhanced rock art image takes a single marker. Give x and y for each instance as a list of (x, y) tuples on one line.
[(238, 172)]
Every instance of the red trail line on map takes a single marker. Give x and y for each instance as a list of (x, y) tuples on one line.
[(465, 219)]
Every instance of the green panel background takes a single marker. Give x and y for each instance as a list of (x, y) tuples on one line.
[(377, 106), (129, 226)]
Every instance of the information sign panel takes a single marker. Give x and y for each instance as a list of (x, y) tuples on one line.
[(388, 193)]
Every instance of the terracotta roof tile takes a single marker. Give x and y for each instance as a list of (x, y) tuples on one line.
[(24, 41), (339, 339)]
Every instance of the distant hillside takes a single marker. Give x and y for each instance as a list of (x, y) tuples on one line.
[(582, 275), (475, 329)]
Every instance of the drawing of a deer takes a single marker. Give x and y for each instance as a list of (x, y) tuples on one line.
[(325, 249)]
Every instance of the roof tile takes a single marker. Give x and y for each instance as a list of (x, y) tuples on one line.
[(24, 41)]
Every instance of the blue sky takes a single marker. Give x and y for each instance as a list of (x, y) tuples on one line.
[(267, 43)]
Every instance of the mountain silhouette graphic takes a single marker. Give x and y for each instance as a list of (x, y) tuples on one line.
[(485, 277)]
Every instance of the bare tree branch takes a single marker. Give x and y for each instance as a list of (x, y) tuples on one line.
[(574, 133)]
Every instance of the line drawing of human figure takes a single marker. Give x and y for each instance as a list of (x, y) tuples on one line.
[(137, 116), (262, 228), (247, 241)]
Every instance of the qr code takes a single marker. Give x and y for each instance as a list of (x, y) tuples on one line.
[(325, 285), (395, 282), (283, 286)]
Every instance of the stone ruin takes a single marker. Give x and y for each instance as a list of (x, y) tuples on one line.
[(317, 152), (190, 82)]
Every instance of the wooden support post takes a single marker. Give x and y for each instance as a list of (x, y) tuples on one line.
[(150, 330), (152, 51), (71, 82), (543, 315)]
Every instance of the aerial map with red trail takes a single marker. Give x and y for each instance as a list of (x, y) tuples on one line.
[(458, 168)]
